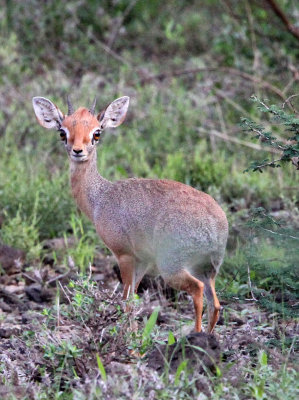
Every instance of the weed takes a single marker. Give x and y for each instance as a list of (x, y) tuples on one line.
[(148, 328), (22, 232), (83, 252), (101, 368)]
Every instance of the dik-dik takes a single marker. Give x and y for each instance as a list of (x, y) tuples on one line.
[(154, 225)]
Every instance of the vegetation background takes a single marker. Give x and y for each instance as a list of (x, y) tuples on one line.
[(191, 69)]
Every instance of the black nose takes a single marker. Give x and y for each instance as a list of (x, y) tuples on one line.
[(77, 151)]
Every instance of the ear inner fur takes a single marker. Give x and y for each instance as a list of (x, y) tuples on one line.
[(47, 113)]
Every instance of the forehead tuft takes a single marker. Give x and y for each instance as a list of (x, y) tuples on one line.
[(80, 118)]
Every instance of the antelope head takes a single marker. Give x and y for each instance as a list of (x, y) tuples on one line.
[(80, 131)]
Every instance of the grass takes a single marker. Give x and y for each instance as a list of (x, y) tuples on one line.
[(90, 327)]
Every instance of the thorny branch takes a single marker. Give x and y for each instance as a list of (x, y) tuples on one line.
[(288, 100), (288, 152), (267, 164)]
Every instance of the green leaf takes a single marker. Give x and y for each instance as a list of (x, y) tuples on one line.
[(101, 368), (218, 372), (171, 338), (263, 358), (150, 325), (182, 367)]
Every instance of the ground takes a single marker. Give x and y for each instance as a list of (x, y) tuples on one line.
[(66, 335)]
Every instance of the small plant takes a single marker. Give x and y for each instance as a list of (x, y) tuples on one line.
[(258, 384), (265, 264), (171, 339), (86, 241), (146, 340), (182, 368), (22, 232), (62, 352), (101, 368), (81, 296), (63, 357)]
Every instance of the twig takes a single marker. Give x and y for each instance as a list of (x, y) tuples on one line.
[(109, 51), (260, 133), (58, 277), (115, 289), (71, 263), (238, 141), (90, 273), (58, 307), (221, 117), (288, 101), (289, 85), (235, 105), (66, 295), (30, 277), (280, 234), (233, 71), (266, 164), (284, 19), (260, 81), (249, 283), (102, 334), (117, 28), (295, 78), (236, 18), (255, 67)]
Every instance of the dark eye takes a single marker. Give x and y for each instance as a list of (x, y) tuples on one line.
[(62, 134), (97, 135)]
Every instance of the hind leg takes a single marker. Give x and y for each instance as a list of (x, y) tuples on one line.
[(213, 303), (141, 270), (185, 281)]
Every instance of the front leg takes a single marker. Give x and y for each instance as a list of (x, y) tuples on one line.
[(127, 267)]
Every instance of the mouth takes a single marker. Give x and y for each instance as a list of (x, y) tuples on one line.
[(78, 157)]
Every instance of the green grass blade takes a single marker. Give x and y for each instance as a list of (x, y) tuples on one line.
[(101, 368), (182, 367), (149, 326), (171, 338)]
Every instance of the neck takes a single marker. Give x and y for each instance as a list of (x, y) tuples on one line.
[(87, 184)]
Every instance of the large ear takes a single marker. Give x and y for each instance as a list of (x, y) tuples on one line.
[(47, 113), (115, 113)]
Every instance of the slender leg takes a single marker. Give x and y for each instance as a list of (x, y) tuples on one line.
[(127, 271), (137, 285), (127, 266), (140, 272), (213, 304), (185, 281)]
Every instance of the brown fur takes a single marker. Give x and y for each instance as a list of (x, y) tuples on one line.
[(79, 126)]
